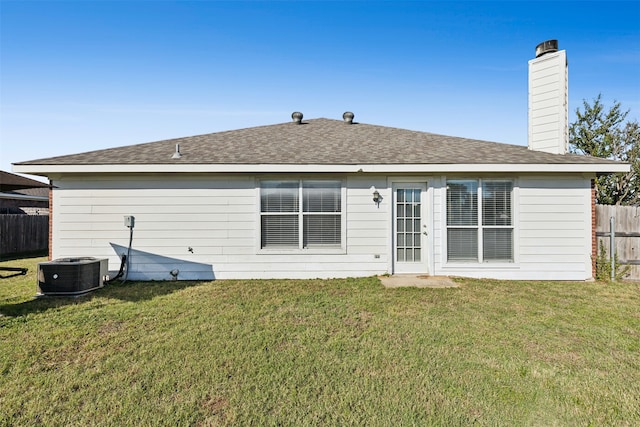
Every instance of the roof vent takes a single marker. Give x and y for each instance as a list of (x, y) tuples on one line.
[(297, 117), (549, 46), (177, 154), (348, 117)]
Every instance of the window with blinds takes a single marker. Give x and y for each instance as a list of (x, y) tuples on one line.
[(497, 226), (314, 223), (479, 220)]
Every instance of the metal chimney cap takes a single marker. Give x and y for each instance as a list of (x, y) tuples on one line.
[(297, 117), (545, 47), (348, 117)]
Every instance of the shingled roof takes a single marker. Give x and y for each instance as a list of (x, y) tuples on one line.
[(12, 182), (319, 142)]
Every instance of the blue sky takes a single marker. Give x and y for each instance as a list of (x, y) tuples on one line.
[(82, 75)]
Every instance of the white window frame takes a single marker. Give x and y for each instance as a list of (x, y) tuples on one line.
[(300, 249), (480, 226)]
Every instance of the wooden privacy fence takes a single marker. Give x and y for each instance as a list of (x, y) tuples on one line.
[(23, 234), (627, 234)]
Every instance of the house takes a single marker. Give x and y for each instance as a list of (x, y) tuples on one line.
[(24, 220), (337, 198), (20, 195)]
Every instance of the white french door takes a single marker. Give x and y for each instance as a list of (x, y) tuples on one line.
[(409, 228)]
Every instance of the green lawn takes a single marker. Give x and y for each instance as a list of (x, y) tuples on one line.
[(320, 352)]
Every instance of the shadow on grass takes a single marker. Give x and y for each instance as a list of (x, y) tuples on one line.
[(28, 255), (128, 291)]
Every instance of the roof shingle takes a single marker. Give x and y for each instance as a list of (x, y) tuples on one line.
[(320, 142)]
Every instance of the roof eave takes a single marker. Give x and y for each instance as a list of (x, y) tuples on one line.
[(46, 170), (15, 196)]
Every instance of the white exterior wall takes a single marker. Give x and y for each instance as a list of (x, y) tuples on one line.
[(218, 218), (552, 233), (555, 228)]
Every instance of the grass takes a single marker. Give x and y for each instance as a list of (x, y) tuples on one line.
[(320, 352)]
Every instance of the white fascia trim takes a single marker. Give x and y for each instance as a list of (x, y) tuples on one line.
[(302, 168)]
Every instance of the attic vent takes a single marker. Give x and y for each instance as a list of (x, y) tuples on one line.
[(348, 117), (297, 117), (177, 154), (549, 46)]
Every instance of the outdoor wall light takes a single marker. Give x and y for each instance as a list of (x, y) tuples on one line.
[(376, 197)]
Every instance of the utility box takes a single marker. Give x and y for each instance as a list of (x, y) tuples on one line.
[(72, 276), (129, 221)]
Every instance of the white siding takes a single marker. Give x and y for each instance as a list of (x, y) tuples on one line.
[(548, 103), (552, 232), (555, 228), (206, 226), (438, 230)]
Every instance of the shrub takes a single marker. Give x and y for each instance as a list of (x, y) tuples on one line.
[(603, 265)]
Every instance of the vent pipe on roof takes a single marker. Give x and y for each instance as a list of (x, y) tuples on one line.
[(177, 154), (348, 117), (545, 47), (297, 117)]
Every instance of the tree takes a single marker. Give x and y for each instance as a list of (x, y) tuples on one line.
[(605, 134)]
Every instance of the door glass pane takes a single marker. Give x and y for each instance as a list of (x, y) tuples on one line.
[(408, 221), (409, 256)]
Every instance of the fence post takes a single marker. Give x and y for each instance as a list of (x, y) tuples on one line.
[(612, 246)]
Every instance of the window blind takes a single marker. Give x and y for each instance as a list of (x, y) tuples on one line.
[(462, 202), (319, 213), (467, 225), (497, 244), (462, 244), (496, 202), (279, 231), (497, 234), (322, 231), (462, 220), (279, 196), (321, 196)]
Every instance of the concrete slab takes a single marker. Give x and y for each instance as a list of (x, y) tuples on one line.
[(412, 280)]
